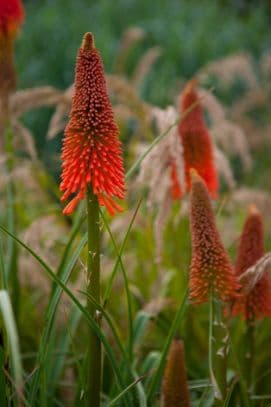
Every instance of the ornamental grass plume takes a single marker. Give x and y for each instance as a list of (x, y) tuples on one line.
[(254, 302), (11, 18), (91, 151), (197, 146), (163, 171), (175, 387), (210, 270)]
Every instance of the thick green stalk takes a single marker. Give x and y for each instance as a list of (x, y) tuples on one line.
[(93, 288), (218, 345)]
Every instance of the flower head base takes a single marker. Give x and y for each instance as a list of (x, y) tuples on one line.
[(175, 388), (210, 268), (255, 302), (91, 151), (197, 145)]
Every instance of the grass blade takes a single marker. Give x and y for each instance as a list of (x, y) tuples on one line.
[(63, 344), (120, 395), (13, 341), (119, 254), (127, 289), (92, 323), (50, 317)]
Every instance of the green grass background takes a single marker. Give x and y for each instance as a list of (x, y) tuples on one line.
[(191, 34)]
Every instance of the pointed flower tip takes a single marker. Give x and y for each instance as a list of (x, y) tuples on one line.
[(191, 85), (88, 43), (196, 179), (194, 174), (253, 210)]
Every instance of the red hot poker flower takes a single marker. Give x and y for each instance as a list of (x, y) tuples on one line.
[(257, 302), (91, 151), (210, 265), (197, 145), (11, 17), (251, 245)]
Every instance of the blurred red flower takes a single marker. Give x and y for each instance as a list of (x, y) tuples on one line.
[(196, 141), (256, 303), (176, 192), (11, 16), (91, 151), (210, 267)]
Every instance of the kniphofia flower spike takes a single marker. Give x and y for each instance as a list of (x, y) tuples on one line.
[(210, 265), (91, 154), (254, 303), (11, 19), (196, 141)]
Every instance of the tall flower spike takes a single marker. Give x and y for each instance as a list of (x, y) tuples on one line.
[(91, 151), (257, 302), (197, 144), (11, 18), (210, 265), (175, 388)]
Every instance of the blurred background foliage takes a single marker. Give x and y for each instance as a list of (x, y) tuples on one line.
[(190, 33)]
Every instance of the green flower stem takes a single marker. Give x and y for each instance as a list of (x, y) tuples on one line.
[(249, 344), (218, 346), (93, 288)]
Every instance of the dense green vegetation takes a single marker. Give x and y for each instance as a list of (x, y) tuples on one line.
[(190, 33)]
